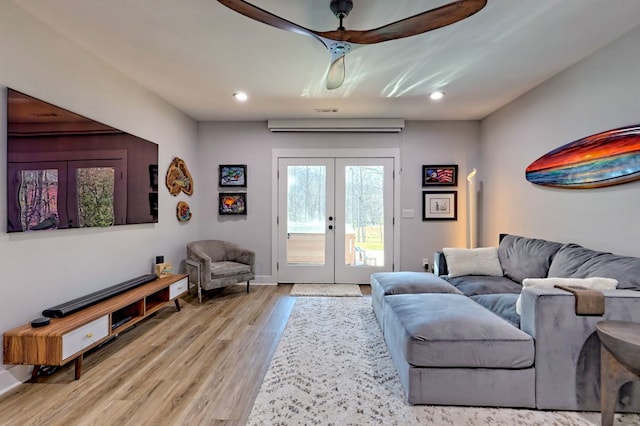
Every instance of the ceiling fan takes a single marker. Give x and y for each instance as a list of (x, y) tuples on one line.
[(339, 41)]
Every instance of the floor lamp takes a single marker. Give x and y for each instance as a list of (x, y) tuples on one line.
[(472, 210)]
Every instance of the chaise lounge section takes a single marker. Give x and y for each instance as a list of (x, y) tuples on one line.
[(448, 349), (458, 340)]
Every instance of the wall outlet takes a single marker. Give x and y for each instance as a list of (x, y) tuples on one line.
[(425, 264)]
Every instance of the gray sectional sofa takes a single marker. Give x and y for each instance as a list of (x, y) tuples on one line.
[(459, 340)]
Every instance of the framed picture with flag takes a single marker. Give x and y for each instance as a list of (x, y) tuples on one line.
[(440, 175)]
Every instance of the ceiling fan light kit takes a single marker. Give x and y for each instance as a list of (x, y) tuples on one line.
[(240, 96), (338, 42)]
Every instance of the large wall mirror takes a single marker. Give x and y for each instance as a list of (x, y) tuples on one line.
[(68, 171)]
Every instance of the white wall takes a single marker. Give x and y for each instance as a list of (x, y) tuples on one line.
[(597, 94), (431, 142), (42, 269), (252, 143)]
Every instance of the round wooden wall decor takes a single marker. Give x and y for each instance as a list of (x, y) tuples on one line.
[(183, 212), (178, 178)]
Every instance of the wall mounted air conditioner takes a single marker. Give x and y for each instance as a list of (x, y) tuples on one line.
[(366, 125)]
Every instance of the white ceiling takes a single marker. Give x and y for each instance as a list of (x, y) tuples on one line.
[(196, 53)]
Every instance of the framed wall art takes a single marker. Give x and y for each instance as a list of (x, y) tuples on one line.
[(439, 205), (440, 175), (233, 175), (232, 203)]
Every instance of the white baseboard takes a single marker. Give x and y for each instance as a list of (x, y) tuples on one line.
[(264, 279), (13, 376)]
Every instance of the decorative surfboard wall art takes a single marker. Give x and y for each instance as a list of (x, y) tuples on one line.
[(604, 159)]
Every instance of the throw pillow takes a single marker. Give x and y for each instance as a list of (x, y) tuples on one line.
[(592, 283), (478, 261)]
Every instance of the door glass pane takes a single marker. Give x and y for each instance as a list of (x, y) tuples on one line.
[(95, 196), (39, 199), (306, 221), (364, 213)]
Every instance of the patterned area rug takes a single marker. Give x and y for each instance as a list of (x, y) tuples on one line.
[(332, 290), (332, 367)]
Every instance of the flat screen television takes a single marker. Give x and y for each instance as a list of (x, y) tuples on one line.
[(68, 171)]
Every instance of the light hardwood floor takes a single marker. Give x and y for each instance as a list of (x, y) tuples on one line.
[(200, 366)]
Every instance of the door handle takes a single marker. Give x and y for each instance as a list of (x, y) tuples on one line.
[(330, 218), (330, 226)]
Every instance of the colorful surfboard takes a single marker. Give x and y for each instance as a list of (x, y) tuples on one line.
[(604, 159)]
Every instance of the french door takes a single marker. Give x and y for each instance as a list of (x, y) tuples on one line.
[(335, 219)]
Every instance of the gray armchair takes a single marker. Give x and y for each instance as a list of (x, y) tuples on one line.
[(215, 264)]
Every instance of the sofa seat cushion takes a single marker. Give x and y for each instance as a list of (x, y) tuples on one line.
[(226, 268), (503, 305), (473, 285), (451, 330), (411, 282)]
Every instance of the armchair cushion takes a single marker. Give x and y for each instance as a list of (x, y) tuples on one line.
[(225, 268)]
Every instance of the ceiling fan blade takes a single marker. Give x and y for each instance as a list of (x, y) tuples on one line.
[(261, 15), (413, 25), (335, 76)]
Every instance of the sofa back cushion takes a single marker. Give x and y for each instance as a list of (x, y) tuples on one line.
[(522, 257), (575, 261)]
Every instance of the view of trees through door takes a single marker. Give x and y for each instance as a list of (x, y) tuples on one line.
[(364, 213), (336, 219)]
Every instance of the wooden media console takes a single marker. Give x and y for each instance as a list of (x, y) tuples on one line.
[(67, 339)]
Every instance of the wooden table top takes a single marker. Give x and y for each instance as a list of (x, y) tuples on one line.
[(622, 339)]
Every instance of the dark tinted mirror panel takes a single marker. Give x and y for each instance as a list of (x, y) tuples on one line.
[(68, 171)]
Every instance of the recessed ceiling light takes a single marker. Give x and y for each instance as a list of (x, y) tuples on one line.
[(240, 96), (437, 95)]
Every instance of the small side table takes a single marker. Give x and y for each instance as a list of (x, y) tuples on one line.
[(619, 362)]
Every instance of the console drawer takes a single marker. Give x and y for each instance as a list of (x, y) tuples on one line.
[(80, 338), (176, 289)]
